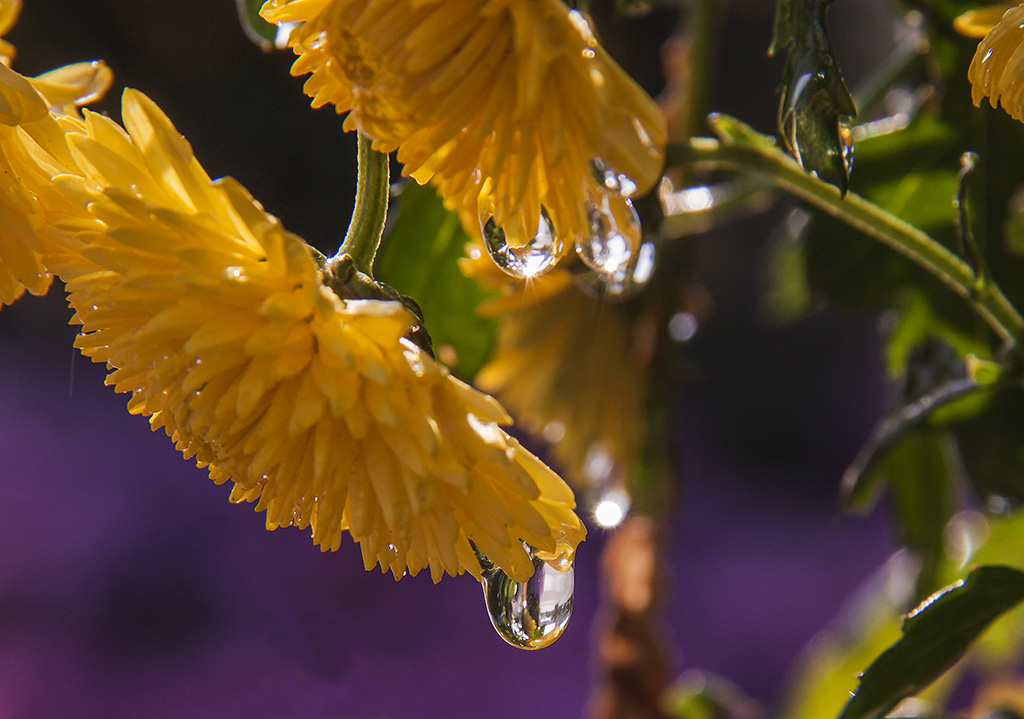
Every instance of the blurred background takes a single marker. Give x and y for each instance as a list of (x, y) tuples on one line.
[(129, 586)]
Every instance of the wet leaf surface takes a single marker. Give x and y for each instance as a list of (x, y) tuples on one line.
[(816, 105), (935, 636)]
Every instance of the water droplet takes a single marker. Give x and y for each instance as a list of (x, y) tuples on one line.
[(682, 327), (644, 267), (614, 234), (599, 463), (536, 257), (534, 613), (846, 138), (284, 32), (611, 508), (610, 181), (236, 274), (553, 432)]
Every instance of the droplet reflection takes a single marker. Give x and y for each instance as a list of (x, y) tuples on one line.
[(530, 614), (610, 181), (614, 236)]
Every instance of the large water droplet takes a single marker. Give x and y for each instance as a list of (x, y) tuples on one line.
[(614, 234), (536, 257), (530, 614), (610, 181)]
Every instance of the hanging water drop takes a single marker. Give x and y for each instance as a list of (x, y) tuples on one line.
[(536, 257), (846, 142), (614, 234), (534, 613), (610, 181)]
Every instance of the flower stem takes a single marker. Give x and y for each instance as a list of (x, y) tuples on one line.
[(984, 296), (364, 231)]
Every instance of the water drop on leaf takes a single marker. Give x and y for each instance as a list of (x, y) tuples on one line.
[(534, 613)]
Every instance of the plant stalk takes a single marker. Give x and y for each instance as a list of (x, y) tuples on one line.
[(371, 208), (986, 298)]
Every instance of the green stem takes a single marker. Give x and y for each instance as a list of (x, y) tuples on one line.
[(986, 298), (371, 208)]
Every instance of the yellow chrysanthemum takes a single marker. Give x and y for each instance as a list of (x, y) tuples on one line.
[(37, 113), (508, 106), (997, 69), (564, 361), (222, 328)]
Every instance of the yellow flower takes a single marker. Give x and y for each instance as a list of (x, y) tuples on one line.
[(36, 114), (997, 69), (223, 329), (508, 106), (566, 364)]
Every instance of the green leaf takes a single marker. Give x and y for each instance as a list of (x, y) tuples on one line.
[(935, 636), (815, 102), (261, 32), (419, 258), (992, 445), (702, 695), (908, 452), (921, 472)]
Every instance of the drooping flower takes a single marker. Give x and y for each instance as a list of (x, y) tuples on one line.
[(997, 69), (507, 106), (222, 327)]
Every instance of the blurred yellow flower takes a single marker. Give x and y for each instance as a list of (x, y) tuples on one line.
[(510, 107), (997, 69), (565, 362), (9, 12), (976, 23), (222, 327)]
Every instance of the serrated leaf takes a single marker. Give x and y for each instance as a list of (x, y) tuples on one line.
[(935, 636), (815, 103), (419, 258), (261, 32)]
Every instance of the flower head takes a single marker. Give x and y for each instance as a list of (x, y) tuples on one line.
[(510, 107), (221, 326), (997, 69)]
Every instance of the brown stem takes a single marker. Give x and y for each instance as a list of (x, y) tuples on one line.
[(635, 664)]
